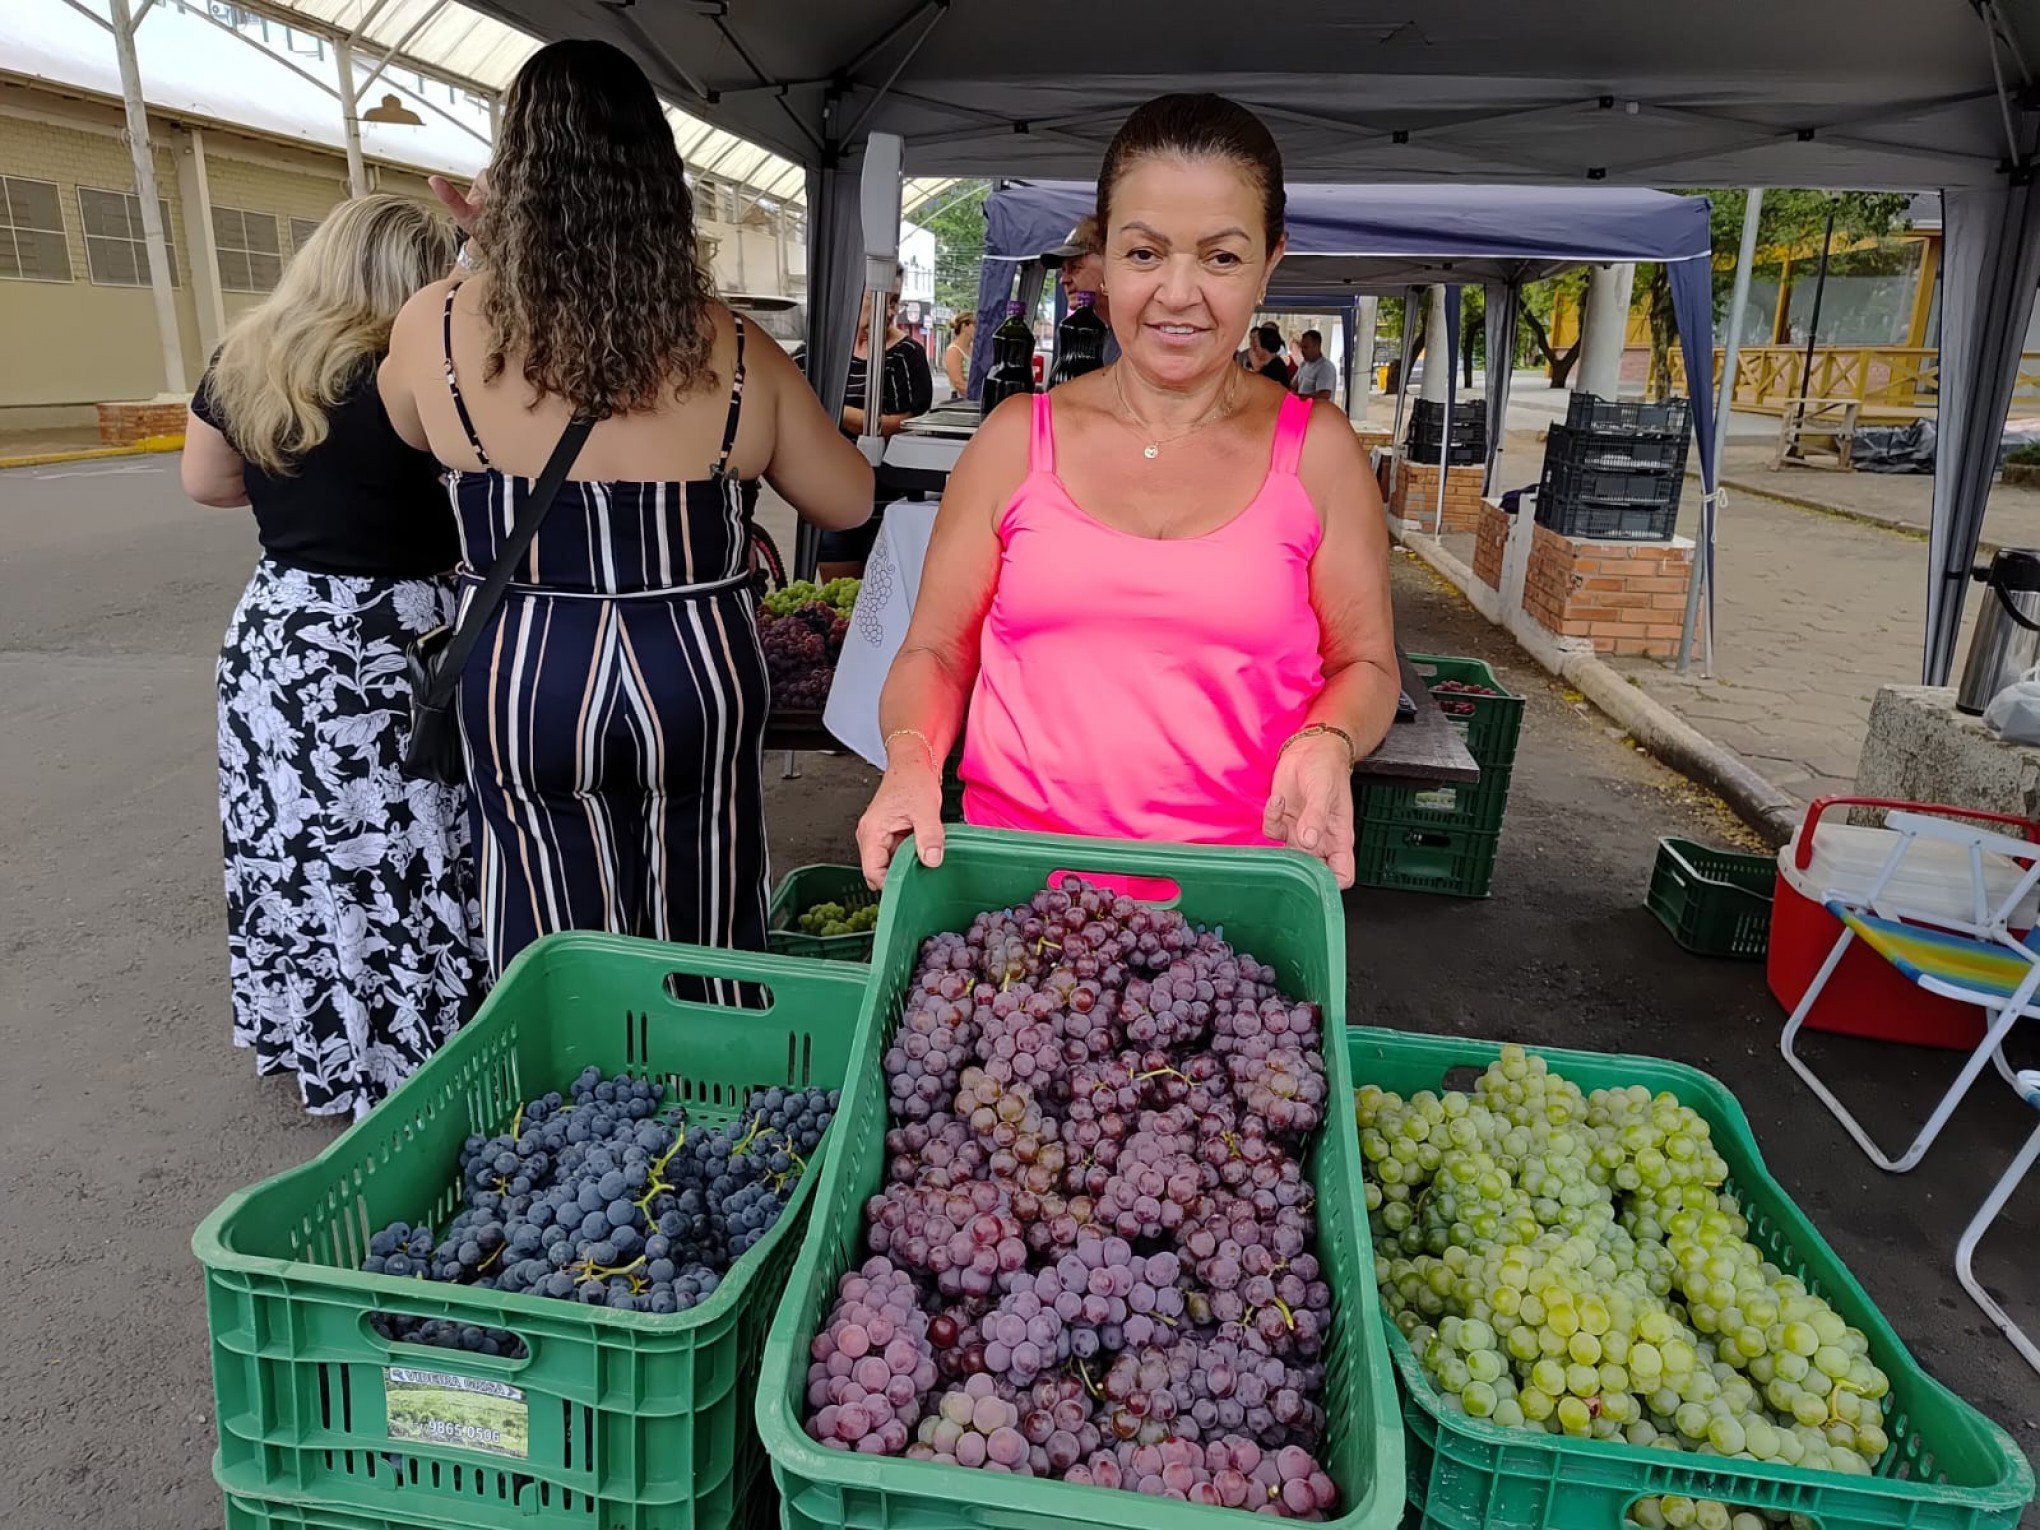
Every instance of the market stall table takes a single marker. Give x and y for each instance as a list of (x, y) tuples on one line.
[(1422, 750)]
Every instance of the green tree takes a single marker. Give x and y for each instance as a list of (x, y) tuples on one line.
[(957, 216), (1793, 220)]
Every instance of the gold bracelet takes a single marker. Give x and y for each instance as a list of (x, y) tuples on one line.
[(1319, 729), (915, 733)]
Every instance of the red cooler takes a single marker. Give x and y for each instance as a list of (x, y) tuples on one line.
[(1866, 996)]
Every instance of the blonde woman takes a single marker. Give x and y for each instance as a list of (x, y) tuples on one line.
[(352, 925)]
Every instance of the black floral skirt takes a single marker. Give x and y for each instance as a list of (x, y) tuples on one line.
[(352, 926)]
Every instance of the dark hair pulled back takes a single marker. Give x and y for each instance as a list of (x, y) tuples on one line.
[(1200, 126)]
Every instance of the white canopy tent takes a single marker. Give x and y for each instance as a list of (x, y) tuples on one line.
[(1839, 93)]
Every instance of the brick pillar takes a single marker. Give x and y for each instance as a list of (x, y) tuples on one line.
[(1624, 597), (1493, 538), (1416, 494)]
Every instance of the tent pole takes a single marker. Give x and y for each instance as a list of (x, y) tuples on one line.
[(1731, 345), (1449, 351), (1402, 383), (1819, 293)]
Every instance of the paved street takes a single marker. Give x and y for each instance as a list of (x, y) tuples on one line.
[(125, 1114)]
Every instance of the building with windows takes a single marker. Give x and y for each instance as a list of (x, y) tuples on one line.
[(249, 154)]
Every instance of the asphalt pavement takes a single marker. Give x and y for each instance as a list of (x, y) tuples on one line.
[(126, 1114)]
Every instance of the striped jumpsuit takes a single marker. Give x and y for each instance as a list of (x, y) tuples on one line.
[(614, 711)]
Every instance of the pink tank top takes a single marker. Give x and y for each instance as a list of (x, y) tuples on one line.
[(1139, 688)]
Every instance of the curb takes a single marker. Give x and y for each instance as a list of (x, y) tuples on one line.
[(1660, 730), (150, 447)]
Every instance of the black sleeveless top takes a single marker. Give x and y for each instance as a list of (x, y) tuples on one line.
[(361, 504)]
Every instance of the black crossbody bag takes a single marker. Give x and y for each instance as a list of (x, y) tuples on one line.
[(433, 662)]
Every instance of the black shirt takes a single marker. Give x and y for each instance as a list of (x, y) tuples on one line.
[(906, 385), (362, 503), (1275, 370)]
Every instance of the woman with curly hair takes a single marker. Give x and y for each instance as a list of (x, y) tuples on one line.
[(352, 934), (614, 710)]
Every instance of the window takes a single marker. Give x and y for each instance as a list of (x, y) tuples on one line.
[(250, 260), (32, 242), (301, 231), (116, 254)]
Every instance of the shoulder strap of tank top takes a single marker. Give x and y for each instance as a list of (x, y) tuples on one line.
[(729, 435), (1290, 427), (1041, 437), (460, 407)]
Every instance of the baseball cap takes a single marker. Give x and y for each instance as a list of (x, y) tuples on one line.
[(1084, 239)]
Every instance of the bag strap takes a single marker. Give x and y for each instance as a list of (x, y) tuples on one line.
[(453, 659)]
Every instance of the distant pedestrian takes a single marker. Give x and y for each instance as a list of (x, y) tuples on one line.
[(1264, 350), (352, 924), (1318, 377), (956, 359)]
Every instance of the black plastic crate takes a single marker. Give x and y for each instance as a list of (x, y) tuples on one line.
[(1467, 414), (1650, 488), (1468, 442), (1625, 453), (1615, 523), (1606, 415)]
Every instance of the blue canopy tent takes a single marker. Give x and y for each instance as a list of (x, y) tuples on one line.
[(1345, 241)]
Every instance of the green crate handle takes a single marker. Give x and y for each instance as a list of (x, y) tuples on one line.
[(465, 1360)]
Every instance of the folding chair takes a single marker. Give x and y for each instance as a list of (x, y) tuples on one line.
[(2028, 1085), (1977, 961)]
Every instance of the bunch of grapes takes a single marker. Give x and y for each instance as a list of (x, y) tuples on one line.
[(607, 1197), (1094, 1197), (798, 661), (871, 1364), (1575, 1264), (834, 919), (837, 596)]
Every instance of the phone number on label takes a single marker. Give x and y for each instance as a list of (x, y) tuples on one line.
[(446, 1429)]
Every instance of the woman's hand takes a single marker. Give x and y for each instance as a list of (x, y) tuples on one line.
[(1310, 807), (908, 801), (466, 208)]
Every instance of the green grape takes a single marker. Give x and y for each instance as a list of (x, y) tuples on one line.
[(1478, 1398), (1710, 1515), (1574, 1416)]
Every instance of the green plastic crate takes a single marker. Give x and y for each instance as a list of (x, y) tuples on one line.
[(1480, 806), (801, 890), (1411, 857), (1491, 725), (632, 1421), (1282, 907), (1715, 902), (1949, 1468)]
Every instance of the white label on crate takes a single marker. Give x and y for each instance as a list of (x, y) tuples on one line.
[(471, 1412), (1439, 799)]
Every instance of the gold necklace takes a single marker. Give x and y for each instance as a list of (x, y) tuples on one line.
[(1153, 449)]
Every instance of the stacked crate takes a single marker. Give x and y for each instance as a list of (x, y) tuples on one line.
[(1614, 469), (1469, 441), (1444, 839)]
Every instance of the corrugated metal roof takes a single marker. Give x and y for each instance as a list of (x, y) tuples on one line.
[(465, 47)]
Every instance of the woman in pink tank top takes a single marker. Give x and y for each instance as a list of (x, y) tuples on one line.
[(1161, 591)]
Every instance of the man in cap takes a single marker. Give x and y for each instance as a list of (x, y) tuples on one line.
[(1079, 263)]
